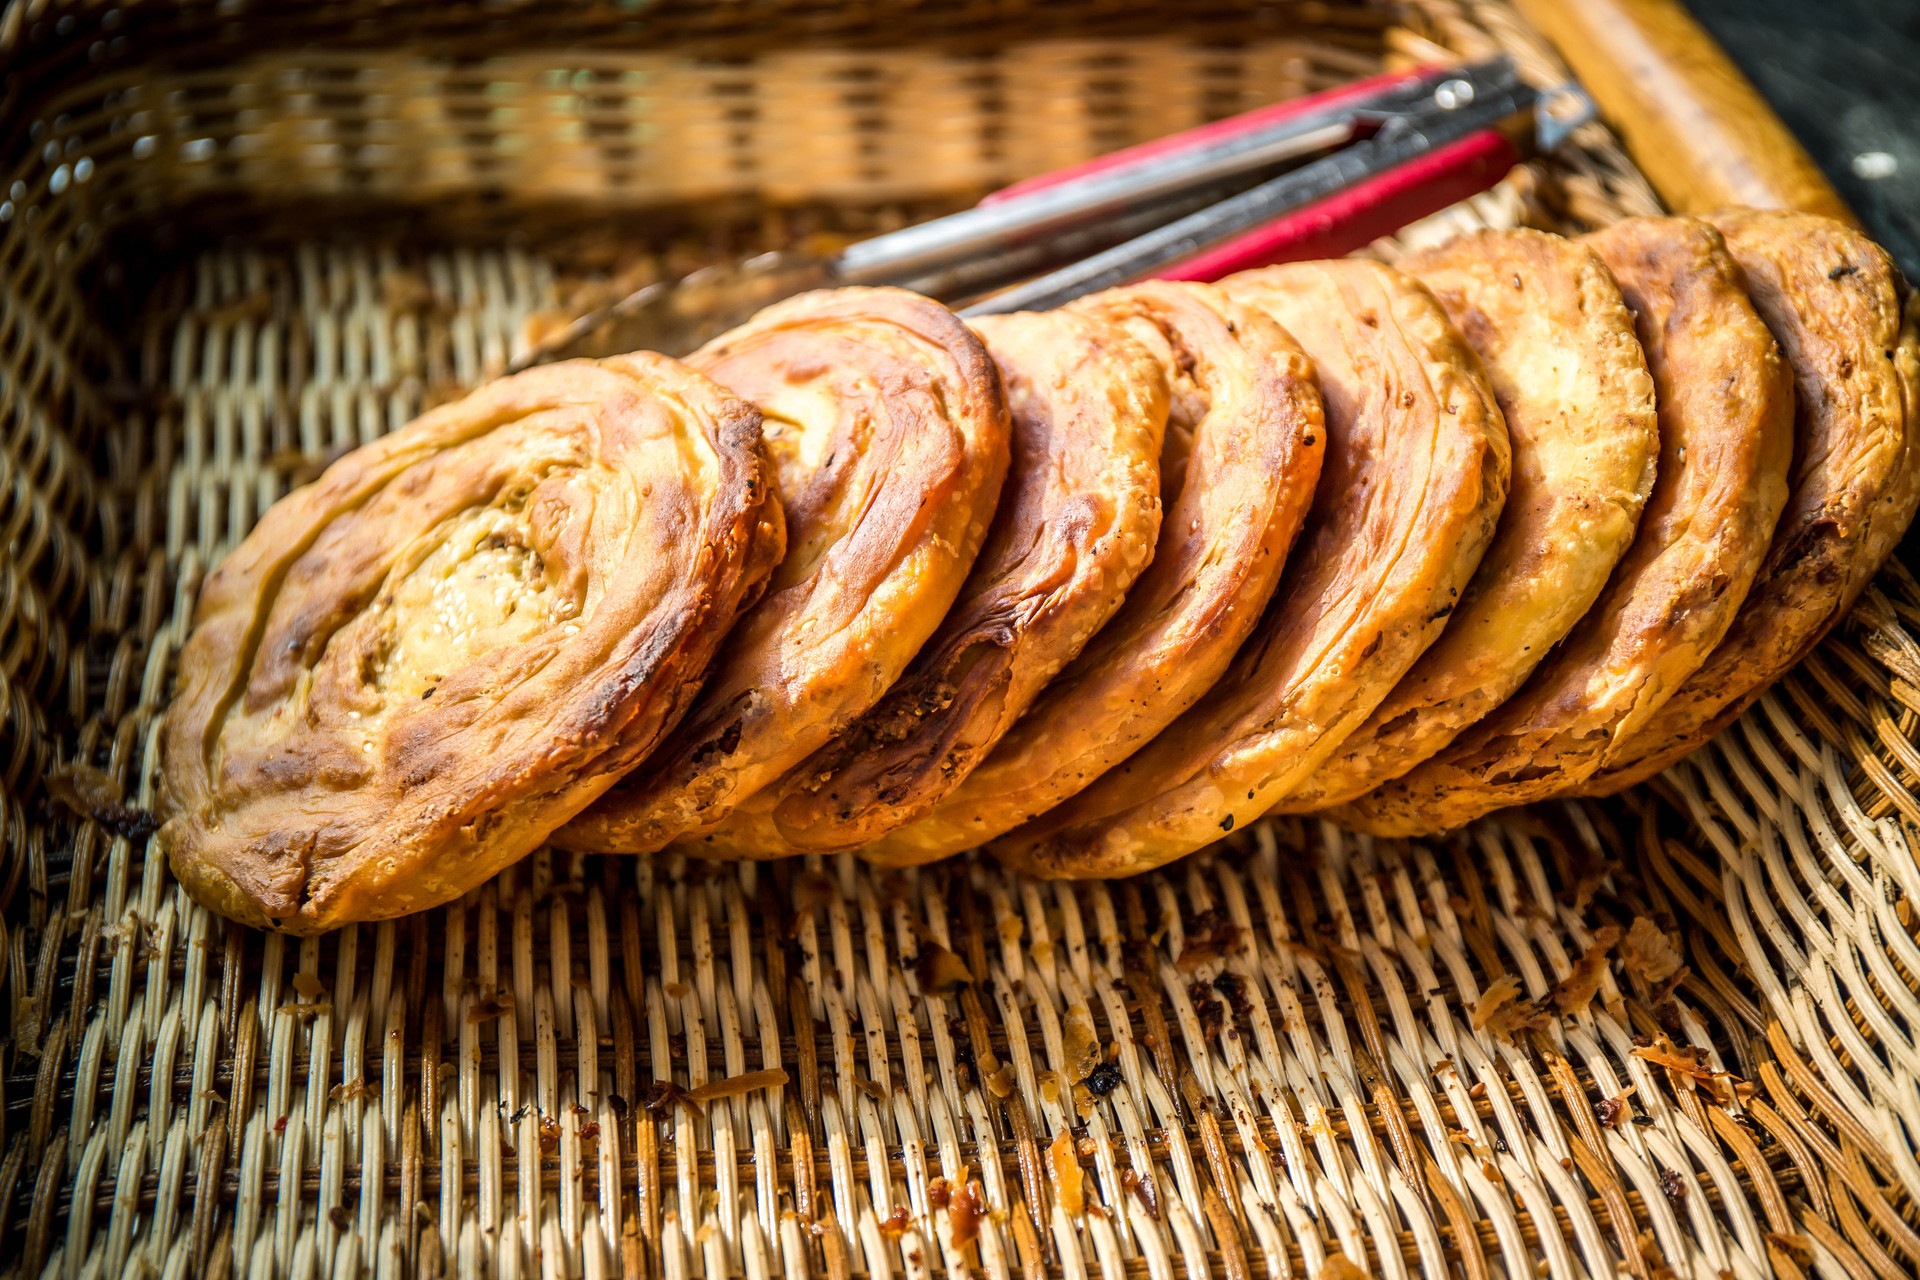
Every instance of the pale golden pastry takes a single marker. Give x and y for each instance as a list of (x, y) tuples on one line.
[(1243, 450), (415, 668), (888, 430), (1076, 525), (1415, 476), (1835, 302), (1725, 400), (1557, 342)]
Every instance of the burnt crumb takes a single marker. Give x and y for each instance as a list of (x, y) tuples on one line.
[(940, 972), (1212, 1014), (88, 792), (1103, 1080), (1843, 271), (1226, 823), (1234, 988), (429, 693), (1667, 1014), (619, 1105), (962, 1047), (338, 1217), (1643, 1121), (658, 1101), (1143, 1191), (1674, 1185), (1210, 935), (131, 823)]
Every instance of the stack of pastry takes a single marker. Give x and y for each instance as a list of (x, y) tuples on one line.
[(1522, 517)]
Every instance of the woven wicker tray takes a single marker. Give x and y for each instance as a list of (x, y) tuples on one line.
[(233, 242)]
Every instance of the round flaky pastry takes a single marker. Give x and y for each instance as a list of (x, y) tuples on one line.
[(1415, 475), (414, 669), (1835, 302), (1725, 401), (1243, 447), (1558, 346), (888, 430), (1076, 525)]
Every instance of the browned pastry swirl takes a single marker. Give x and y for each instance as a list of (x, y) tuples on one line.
[(1076, 525), (415, 668), (888, 428), (1724, 398), (1846, 320), (1558, 346), (1416, 473), (1243, 448)]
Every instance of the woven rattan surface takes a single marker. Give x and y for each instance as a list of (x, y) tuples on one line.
[(1321, 1048)]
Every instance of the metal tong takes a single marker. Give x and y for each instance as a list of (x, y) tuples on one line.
[(1313, 177)]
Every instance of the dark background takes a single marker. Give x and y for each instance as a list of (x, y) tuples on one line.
[(1845, 76)]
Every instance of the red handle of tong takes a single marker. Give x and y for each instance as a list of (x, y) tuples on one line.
[(1356, 217), (1330, 228)]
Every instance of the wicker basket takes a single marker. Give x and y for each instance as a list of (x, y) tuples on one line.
[(234, 241)]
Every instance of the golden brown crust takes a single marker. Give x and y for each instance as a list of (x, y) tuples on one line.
[(1076, 525), (1558, 346), (461, 634), (1247, 434), (1835, 302), (1416, 472), (1725, 401), (887, 425)]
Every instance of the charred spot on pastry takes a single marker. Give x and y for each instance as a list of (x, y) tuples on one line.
[(725, 745)]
